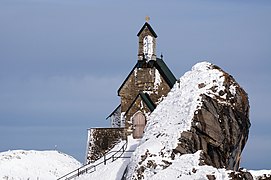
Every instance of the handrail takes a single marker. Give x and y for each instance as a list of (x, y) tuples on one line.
[(87, 167)]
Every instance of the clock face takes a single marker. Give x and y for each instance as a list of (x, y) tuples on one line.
[(148, 47)]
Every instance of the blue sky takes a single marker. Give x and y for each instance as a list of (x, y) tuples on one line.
[(62, 61)]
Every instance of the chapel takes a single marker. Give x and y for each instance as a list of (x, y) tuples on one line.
[(142, 90), (147, 83)]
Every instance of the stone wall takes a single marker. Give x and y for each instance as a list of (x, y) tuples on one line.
[(101, 140), (128, 92)]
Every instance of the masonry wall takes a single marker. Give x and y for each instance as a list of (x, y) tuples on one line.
[(101, 140)]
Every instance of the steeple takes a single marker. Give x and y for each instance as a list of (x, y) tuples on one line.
[(146, 42)]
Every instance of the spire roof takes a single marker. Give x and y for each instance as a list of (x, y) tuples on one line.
[(148, 26)]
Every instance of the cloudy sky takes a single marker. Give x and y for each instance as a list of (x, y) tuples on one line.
[(62, 61)]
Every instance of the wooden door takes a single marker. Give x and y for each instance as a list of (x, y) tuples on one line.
[(139, 122)]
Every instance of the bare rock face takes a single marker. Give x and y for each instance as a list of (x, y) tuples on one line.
[(219, 128)]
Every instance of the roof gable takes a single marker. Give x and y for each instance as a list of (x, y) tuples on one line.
[(160, 65), (146, 99), (150, 29), (113, 112)]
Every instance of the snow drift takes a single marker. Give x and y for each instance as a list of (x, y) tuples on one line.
[(36, 165)]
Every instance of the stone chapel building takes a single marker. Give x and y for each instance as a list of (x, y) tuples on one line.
[(148, 82)]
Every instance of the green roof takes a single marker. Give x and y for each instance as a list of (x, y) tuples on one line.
[(146, 99), (165, 72)]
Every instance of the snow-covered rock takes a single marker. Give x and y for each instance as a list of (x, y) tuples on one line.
[(184, 123), (35, 165)]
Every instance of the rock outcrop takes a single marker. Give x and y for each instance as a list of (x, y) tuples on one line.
[(206, 113), (220, 127)]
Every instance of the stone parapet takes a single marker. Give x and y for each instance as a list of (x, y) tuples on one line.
[(102, 140)]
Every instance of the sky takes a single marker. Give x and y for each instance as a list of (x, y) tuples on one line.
[(62, 61)]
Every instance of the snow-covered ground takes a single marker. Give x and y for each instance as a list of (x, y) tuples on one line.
[(187, 167), (49, 165), (257, 173), (35, 165)]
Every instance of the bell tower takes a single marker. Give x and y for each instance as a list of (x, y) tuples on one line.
[(146, 42)]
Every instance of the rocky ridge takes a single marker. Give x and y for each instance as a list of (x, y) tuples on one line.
[(220, 126)]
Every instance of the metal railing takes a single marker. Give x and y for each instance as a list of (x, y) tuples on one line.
[(89, 168)]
